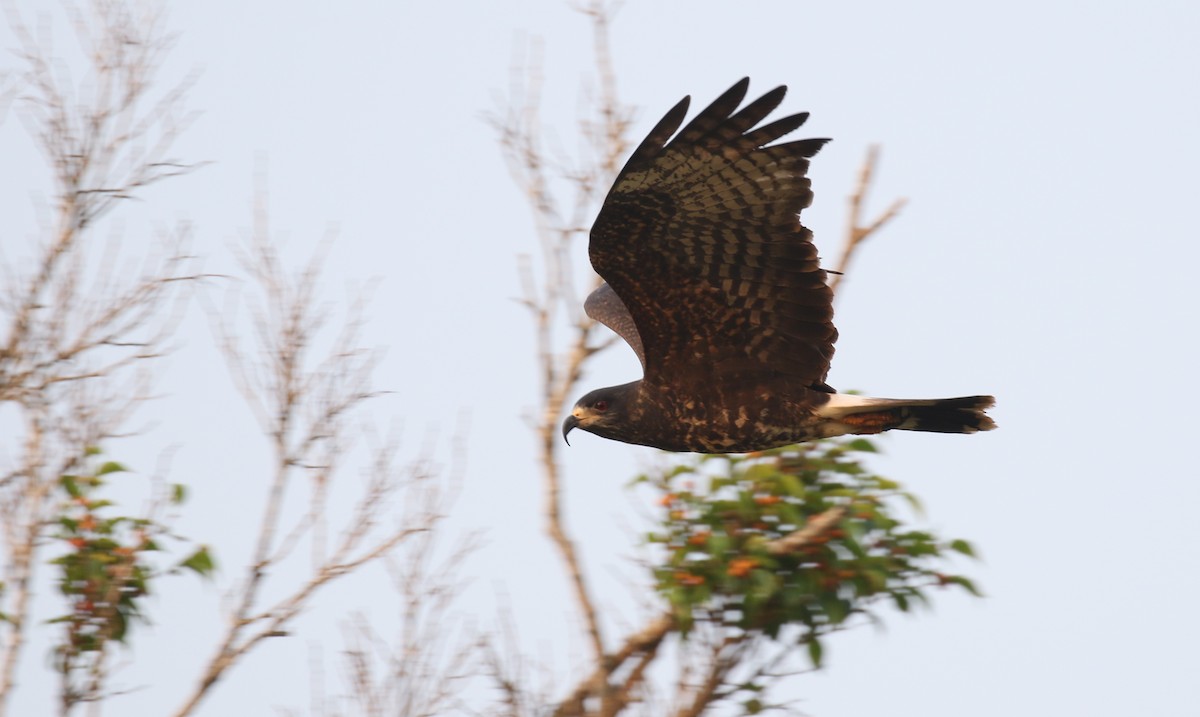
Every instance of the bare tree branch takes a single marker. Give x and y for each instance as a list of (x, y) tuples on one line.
[(77, 336), (425, 672), (645, 643), (520, 138), (306, 407), (857, 229)]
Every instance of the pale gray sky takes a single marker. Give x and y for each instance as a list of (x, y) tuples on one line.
[(1048, 254)]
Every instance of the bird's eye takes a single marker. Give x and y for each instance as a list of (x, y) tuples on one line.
[(601, 405)]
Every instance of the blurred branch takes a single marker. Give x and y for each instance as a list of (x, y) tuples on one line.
[(643, 645), (77, 331), (857, 228), (425, 671), (521, 139), (307, 408), (813, 529), (723, 655)]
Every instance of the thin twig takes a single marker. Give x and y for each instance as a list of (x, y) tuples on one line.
[(814, 528), (520, 137), (80, 337), (305, 407), (857, 230), (647, 640)]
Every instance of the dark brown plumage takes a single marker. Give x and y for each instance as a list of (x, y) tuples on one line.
[(715, 284)]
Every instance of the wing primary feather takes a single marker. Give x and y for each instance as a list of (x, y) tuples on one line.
[(702, 249), (657, 138), (733, 127), (770, 132), (712, 116)]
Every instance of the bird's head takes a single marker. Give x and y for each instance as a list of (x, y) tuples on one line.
[(604, 412)]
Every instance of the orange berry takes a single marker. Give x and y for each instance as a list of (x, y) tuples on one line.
[(741, 567)]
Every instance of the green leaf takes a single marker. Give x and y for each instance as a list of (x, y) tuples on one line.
[(836, 608), (200, 562), (963, 547), (915, 503), (92, 451), (111, 467), (965, 583), (877, 579), (763, 585), (789, 515), (792, 485), (862, 445), (70, 486), (815, 650), (760, 472), (118, 625), (178, 493)]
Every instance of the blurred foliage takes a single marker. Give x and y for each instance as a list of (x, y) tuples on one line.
[(106, 570), (726, 561)]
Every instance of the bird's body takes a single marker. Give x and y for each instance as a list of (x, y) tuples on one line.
[(715, 284), (718, 421)]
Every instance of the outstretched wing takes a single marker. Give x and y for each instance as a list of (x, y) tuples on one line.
[(605, 306), (701, 240)]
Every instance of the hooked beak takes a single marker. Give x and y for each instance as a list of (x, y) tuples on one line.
[(569, 423)]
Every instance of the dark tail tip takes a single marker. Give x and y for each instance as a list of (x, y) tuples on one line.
[(951, 415)]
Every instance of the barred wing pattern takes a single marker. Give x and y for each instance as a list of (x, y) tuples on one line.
[(700, 237)]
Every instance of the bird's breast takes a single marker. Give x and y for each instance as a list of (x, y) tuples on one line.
[(747, 421)]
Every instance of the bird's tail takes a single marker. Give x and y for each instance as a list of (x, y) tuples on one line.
[(845, 413)]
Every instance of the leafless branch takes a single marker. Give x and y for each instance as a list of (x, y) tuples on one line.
[(521, 140), (857, 228), (78, 332), (425, 670), (813, 529), (722, 656), (307, 407), (644, 644)]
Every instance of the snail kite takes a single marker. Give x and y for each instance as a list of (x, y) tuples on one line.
[(715, 284)]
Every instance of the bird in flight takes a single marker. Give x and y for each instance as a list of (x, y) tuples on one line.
[(712, 280)]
